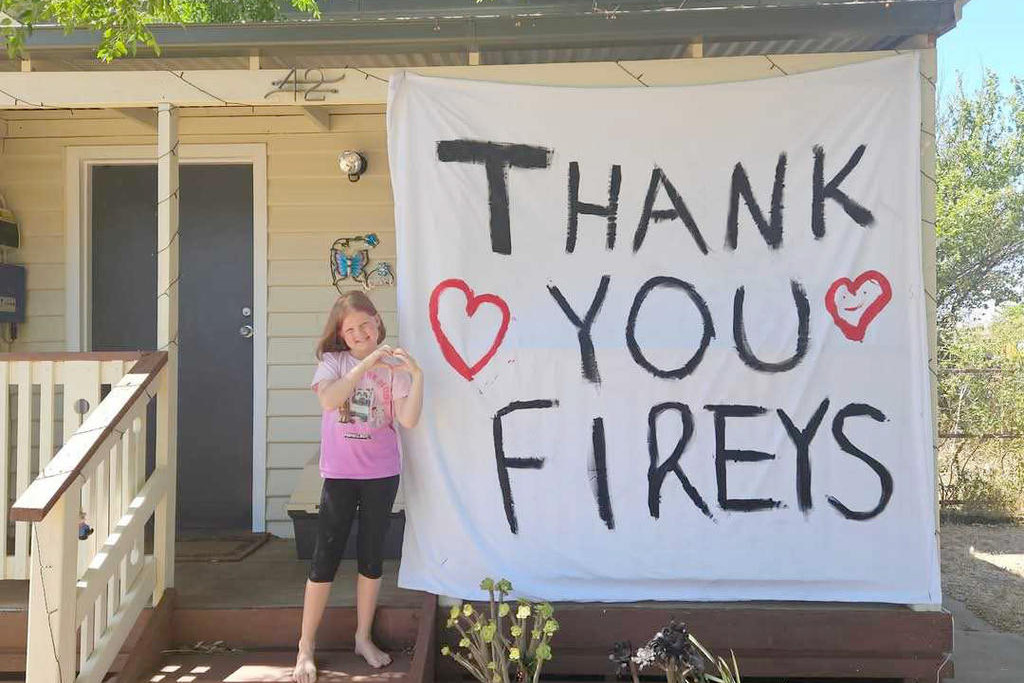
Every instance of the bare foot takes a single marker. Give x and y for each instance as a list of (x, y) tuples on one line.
[(305, 667), (373, 655)]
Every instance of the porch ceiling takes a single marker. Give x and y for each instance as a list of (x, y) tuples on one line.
[(424, 33)]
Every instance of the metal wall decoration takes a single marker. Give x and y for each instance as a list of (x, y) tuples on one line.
[(350, 260), (311, 85), (380, 275)]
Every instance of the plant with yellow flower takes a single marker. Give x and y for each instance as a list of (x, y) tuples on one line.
[(498, 646)]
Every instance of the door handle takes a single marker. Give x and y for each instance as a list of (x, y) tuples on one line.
[(246, 331)]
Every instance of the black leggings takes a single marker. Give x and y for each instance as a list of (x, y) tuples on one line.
[(343, 500)]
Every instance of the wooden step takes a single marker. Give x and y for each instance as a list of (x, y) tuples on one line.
[(770, 639), (13, 638), (13, 624), (278, 627), (410, 636), (273, 666), (266, 637)]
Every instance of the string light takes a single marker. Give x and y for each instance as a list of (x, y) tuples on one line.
[(775, 66), (36, 105), (46, 607), (367, 74), (18, 100), (181, 77), (173, 151), (172, 195), (639, 79)]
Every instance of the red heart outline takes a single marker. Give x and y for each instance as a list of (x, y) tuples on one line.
[(472, 303), (856, 332)]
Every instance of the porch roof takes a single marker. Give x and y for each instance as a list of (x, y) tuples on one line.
[(420, 33)]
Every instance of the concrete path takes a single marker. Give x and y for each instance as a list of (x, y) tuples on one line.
[(982, 653)]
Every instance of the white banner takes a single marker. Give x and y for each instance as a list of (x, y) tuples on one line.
[(674, 338)]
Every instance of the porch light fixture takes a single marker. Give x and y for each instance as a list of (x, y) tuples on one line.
[(352, 163)]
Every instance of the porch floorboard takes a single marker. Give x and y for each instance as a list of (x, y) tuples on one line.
[(272, 576)]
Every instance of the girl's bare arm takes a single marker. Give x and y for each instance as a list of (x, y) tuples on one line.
[(408, 408), (333, 393)]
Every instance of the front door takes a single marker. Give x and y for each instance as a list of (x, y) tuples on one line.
[(215, 390)]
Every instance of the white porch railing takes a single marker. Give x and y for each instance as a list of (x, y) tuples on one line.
[(85, 596), (40, 395)]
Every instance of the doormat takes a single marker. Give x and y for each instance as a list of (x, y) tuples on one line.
[(218, 548)]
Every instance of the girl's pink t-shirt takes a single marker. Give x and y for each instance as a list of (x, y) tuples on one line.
[(365, 447)]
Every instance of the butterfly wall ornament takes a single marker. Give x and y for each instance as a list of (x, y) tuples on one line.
[(350, 258), (344, 265)]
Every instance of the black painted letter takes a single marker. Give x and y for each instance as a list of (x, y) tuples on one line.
[(576, 207), (739, 333), (823, 191), (724, 455), (505, 463), (604, 503), (634, 311), (588, 360), (678, 210), (802, 438), (656, 473), (771, 230), (496, 158), (884, 476)]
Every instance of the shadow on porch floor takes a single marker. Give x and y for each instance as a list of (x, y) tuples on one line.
[(272, 576)]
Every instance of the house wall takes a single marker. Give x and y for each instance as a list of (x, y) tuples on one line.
[(310, 204)]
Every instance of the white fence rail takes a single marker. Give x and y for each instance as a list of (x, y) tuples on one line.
[(39, 395), (85, 595)]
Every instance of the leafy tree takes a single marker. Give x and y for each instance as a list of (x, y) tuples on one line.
[(980, 202), (980, 259), (122, 25)]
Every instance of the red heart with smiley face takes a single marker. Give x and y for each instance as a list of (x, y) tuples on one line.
[(854, 304)]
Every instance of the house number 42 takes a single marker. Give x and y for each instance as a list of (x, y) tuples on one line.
[(312, 85)]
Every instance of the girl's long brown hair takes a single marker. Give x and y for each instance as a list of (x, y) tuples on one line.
[(330, 340)]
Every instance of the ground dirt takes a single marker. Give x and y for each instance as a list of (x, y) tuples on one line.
[(983, 567)]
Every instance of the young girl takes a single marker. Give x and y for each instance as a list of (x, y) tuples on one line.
[(363, 388)]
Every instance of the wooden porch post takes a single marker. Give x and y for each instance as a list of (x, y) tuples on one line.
[(167, 339), (50, 656)]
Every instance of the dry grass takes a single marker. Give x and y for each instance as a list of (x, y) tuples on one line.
[(983, 567)]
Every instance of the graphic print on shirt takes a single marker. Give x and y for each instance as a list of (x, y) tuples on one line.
[(358, 439), (368, 405), (361, 404)]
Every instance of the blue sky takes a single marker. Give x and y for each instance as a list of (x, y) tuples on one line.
[(990, 35)]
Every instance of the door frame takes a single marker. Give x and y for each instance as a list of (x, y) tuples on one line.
[(78, 254)]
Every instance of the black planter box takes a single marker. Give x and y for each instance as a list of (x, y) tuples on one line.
[(305, 524)]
